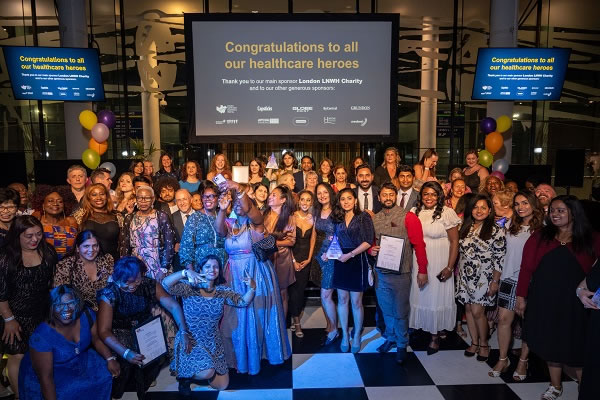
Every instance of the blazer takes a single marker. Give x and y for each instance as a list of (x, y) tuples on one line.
[(178, 224), (376, 204), (411, 201), (299, 178)]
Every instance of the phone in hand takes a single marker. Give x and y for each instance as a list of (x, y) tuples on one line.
[(219, 180), (439, 276)]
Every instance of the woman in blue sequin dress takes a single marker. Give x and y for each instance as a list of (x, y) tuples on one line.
[(257, 331)]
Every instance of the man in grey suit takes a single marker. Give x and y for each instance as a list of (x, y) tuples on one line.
[(407, 196), (183, 199)]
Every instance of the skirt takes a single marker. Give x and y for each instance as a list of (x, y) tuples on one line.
[(351, 275)]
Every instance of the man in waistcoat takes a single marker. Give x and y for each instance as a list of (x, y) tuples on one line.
[(393, 288)]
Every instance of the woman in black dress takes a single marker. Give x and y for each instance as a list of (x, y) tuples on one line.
[(555, 260), (26, 268), (302, 257), (355, 233), (97, 215), (124, 304), (590, 388)]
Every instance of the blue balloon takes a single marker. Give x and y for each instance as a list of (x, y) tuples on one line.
[(487, 125), (500, 165)]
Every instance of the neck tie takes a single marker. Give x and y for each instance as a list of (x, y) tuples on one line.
[(402, 201), (366, 203)]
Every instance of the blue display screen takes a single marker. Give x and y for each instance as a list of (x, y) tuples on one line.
[(520, 73), (54, 73)]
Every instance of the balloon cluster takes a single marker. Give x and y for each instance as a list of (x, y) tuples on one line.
[(99, 126), (494, 141)]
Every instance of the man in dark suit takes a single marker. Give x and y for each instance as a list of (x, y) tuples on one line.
[(366, 192), (307, 164), (407, 196)]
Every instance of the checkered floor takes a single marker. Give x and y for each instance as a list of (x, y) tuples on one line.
[(315, 373)]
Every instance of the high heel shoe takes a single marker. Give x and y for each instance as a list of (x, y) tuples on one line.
[(298, 331), (518, 377), (330, 339), (345, 347), (472, 353), (481, 358), (496, 374), (356, 347), (432, 350)]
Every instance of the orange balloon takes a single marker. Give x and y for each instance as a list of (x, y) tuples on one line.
[(99, 148), (494, 142)]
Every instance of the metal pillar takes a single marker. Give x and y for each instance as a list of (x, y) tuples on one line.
[(429, 82)]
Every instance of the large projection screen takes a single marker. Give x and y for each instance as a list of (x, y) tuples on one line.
[(292, 77)]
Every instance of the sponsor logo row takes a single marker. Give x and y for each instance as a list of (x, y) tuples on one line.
[(298, 121), (232, 109)]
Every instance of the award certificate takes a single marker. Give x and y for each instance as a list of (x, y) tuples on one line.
[(150, 339), (390, 253)]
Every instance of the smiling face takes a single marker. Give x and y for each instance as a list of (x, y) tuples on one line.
[(53, 204), (191, 169), (209, 199), (364, 178), (148, 168), (88, 250), (261, 193), (276, 198), (305, 202), (434, 161), (340, 175), (406, 180), (183, 201), (322, 195), (311, 181), (138, 168), (64, 311), (325, 168), (131, 284), (197, 202), (220, 161), (522, 206), (347, 201), (125, 183), (22, 190), (458, 188), (288, 180), (481, 211), (97, 198), (166, 161), (492, 185), (254, 167), (30, 238), (391, 157), (471, 160), (8, 211), (429, 197), (387, 197), (210, 269), (145, 200), (560, 215), (545, 194), (306, 164)]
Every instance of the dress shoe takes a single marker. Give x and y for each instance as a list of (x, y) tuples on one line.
[(184, 387), (330, 339), (386, 346), (400, 355)]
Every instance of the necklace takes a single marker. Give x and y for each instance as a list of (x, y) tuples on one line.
[(299, 215), (209, 291)]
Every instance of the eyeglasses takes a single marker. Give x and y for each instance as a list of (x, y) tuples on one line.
[(209, 196), (144, 198), (8, 208), (64, 306)]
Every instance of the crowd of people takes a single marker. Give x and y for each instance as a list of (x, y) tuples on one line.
[(225, 266)]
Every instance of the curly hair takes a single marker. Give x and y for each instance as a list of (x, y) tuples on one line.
[(166, 182), (213, 164), (184, 174), (439, 207), (87, 206), (64, 191)]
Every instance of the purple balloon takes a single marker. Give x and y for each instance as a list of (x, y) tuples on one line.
[(498, 175), (487, 125), (108, 118)]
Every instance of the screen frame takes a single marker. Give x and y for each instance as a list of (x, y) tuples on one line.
[(478, 98), (189, 18), (103, 98)]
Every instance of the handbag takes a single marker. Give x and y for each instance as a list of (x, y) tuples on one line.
[(264, 248)]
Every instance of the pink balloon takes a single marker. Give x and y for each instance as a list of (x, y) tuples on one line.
[(100, 132), (498, 175)]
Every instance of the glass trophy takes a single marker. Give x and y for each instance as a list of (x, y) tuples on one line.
[(272, 164), (334, 251)]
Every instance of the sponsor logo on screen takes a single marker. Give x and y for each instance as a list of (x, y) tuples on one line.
[(302, 109), (329, 120), (361, 122), (330, 108), (264, 108), (229, 109), (300, 121), (360, 108), (268, 121)]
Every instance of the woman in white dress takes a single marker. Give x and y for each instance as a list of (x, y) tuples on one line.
[(432, 308)]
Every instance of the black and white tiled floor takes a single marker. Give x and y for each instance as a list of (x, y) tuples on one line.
[(314, 373)]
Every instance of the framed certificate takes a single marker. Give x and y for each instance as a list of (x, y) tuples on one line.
[(391, 253), (150, 340)]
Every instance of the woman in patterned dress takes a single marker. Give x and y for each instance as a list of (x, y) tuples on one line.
[(482, 249), (87, 269), (52, 209), (199, 237), (26, 268), (204, 298), (124, 304)]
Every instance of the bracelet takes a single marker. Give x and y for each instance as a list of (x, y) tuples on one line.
[(111, 358), (352, 253), (126, 353), (184, 273), (11, 318), (426, 168)]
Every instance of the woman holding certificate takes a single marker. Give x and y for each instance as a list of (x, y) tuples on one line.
[(432, 307), (355, 233), (126, 303)]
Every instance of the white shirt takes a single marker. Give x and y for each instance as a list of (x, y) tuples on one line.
[(406, 197), (361, 198), (184, 217), (514, 253)]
